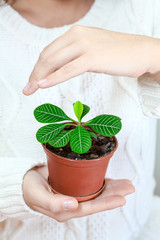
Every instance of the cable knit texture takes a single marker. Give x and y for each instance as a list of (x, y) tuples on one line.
[(131, 100)]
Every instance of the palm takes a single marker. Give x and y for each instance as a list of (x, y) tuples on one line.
[(38, 195)]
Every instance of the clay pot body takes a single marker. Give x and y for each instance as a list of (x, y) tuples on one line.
[(83, 179)]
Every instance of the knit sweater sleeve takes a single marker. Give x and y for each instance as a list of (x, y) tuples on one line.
[(13, 164), (148, 88), (12, 171)]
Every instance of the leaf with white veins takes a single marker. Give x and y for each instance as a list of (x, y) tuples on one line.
[(48, 113), (48, 132), (106, 125), (80, 141), (61, 139)]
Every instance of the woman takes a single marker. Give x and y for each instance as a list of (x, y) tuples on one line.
[(30, 29)]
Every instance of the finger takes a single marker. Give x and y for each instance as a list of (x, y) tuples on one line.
[(57, 203), (117, 183), (110, 181), (53, 202), (46, 66), (117, 187), (64, 40), (98, 205), (61, 216), (75, 33), (59, 43), (70, 70), (85, 208)]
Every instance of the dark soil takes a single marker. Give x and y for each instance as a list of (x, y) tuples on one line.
[(100, 147)]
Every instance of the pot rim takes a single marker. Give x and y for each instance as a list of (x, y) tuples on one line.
[(81, 160)]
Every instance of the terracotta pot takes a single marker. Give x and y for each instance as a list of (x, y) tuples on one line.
[(82, 179)]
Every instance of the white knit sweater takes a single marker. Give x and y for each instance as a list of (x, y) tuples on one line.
[(133, 101)]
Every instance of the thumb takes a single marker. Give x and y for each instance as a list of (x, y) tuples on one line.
[(51, 202), (59, 202), (37, 194), (44, 198)]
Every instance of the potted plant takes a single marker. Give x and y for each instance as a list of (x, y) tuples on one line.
[(78, 152)]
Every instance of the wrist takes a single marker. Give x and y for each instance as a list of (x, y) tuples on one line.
[(154, 67)]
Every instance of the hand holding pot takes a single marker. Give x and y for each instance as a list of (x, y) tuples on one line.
[(88, 49), (39, 197)]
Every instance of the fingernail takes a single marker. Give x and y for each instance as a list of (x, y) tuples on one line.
[(69, 205), (133, 189), (41, 82), (123, 203), (27, 87)]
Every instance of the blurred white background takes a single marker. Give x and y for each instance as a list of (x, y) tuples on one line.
[(157, 166)]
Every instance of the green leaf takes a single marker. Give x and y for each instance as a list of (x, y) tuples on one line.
[(106, 125), (80, 141), (86, 109), (48, 113), (61, 139), (92, 134), (78, 110), (48, 132)]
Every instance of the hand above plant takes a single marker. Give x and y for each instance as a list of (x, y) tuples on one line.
[(89, 49), (79, 135)]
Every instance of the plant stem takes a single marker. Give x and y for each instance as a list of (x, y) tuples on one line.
[(73, 123), (83, 124)]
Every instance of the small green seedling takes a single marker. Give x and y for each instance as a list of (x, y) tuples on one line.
[(79, 137)]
